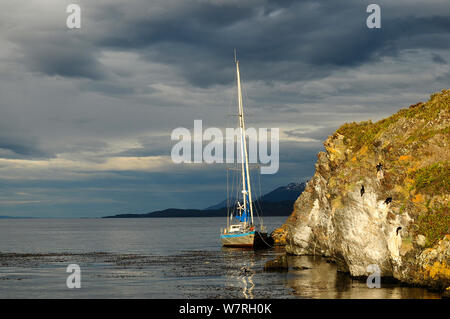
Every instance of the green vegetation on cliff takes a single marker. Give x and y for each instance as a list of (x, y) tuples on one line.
[(434, 223), (434, 179), (413, 146)]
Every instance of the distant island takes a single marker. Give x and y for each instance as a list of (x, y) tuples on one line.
[(15, 217), (278, 202)]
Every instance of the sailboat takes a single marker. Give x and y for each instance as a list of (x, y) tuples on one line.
[(241, 230)]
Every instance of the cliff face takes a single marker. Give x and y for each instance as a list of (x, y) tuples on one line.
[(380, 195)]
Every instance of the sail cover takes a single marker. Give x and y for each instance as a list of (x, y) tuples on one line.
[(243, 217)]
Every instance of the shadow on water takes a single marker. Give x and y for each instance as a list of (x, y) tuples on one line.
[(243, 273), (314, 277)]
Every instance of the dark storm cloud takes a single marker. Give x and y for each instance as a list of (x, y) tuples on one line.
[(61, 54), (16, 148), (198, 38), (279, 40), (12, 148), (17, 142)]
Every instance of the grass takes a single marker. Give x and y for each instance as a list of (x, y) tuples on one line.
[(433, 179), (434, 223), (358, 134), (365, 133)]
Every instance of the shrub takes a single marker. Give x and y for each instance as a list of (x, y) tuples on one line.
[(433, 179), (434, 223)]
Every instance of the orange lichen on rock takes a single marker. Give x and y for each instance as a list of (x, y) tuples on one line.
[(418, 198), (438, 270), (363, 150), (279, 236)]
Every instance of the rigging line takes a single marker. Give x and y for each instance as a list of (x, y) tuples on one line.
[(231, 191), (261, 222), (264, 240), (231, 99), (256, 197), (259, 200), (260, 193), (235, 185), (250, 109), (230, 123), (228, 206)]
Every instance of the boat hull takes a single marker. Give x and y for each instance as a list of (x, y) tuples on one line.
[(251, 239), (238, 240)]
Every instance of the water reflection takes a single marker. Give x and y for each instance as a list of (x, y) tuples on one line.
[(303, 277), (248, 284), (313, 277), (242, 265)]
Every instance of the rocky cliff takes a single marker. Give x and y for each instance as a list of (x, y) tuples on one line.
[(380, 195)]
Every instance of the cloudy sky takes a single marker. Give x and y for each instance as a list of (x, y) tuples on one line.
[(86, 114)]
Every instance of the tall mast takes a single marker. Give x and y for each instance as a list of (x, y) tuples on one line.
[(246, 188)]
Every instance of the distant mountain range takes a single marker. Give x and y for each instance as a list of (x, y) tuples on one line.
[(15, 217), (275, 203), (283, 193)]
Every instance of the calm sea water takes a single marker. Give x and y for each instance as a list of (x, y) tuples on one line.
[(161, 258)]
